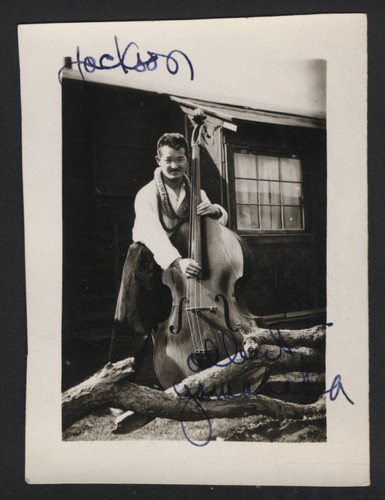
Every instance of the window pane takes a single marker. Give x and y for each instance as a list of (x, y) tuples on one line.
[(290, 169), (247, 217), (268, 187), (291, 193), (246, 191), (292, 218), (269, 192), (271, 218), (268, 168), (245, 165)]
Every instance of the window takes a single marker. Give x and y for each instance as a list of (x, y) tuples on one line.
[(268, 192)]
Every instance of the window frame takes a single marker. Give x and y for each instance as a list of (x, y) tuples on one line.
[(232, 149)]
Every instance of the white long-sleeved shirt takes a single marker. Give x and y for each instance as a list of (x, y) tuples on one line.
[(148, 228)]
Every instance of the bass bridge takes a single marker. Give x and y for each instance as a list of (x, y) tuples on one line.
[(198, 310)]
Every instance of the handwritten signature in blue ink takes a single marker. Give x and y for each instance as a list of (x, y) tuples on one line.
[(226, 392), (335, 389), (230, 345), (129, 59), (219, 393)]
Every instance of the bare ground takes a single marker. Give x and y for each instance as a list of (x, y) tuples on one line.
[(99, 427)]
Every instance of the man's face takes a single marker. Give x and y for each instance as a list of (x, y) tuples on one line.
[(173, 162)]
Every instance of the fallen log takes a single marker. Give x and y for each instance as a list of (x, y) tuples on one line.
[(153, 403), (309, 337), (186, 408), (298, 378), (216, 380), (295, 386), (299, 359), (208, 382), (81, 399), (103, 390), (96, 392)]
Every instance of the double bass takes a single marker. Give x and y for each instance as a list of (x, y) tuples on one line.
[(202, 327)]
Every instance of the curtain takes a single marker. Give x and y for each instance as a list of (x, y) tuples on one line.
[(268, 192)]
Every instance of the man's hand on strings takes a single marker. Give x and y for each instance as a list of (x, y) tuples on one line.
[(207, 208), (188, 267)]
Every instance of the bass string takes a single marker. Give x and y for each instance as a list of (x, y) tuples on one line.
[(189, 293), (197, 281), (198, 295), (198, 288), (192, 286), (194, 283), (190, 316)]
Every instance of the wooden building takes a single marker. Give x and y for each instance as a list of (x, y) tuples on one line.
[(268, 169)]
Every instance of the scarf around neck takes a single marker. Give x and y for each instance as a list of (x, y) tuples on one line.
[(165, 207)]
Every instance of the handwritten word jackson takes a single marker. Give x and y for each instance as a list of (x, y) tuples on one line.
[(130, 59)]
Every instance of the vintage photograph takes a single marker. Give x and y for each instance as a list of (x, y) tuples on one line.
[(194, 245), (195, 224)]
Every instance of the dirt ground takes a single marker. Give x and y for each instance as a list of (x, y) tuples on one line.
[(99, 426)]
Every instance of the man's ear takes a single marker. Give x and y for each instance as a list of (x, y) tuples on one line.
[(157, 159)]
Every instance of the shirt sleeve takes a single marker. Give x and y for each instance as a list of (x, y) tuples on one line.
[(224, 217), (148, 229)]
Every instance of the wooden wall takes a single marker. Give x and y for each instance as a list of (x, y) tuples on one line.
[(289, 268), (109, 148)]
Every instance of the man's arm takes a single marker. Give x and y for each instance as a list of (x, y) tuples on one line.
[(148, 229)]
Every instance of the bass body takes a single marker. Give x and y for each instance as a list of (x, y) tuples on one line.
[(202, 327)]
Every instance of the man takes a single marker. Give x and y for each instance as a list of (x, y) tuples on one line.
[(161, 207)]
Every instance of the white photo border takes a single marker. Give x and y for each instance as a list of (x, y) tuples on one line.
[(343, 460)]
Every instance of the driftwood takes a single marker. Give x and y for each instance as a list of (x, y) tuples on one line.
[(154, 403), (280, 359), (184, 401), (83, 398), (296, 378), (211, 381), (293, 382), (98, 391), (295, 359), (309, 337)]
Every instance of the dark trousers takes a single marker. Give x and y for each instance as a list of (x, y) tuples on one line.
[(142, 303)]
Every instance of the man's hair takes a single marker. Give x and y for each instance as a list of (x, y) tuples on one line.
[(173, 140)]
